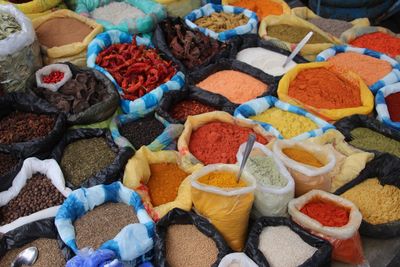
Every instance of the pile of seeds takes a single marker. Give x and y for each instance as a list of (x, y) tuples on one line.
[(7, 163), (37, 194), (8, 25), (187, 108), (103, 223), (219, 22), (117, 12), (84, 158)]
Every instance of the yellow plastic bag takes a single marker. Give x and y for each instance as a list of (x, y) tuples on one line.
[(179, 8), (137, 173), (367, 98), (228, 209), (35, 6), (309, 51), (285, 6), (74, 52), (37, 15)]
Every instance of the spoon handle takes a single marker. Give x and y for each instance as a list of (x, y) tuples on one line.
[(299, 46), (247, 150)]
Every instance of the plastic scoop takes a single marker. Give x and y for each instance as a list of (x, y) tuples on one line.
[(247, 150), (298, 48)]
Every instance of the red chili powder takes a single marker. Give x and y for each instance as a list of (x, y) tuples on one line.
[(187, 108), (393, 105), (327, 213), (218, 142), (324, 88), (379, 41)]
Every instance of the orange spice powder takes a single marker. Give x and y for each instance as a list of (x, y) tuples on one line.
[(263, 8)]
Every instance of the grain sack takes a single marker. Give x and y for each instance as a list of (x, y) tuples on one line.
[(179, 8), (35, 8)]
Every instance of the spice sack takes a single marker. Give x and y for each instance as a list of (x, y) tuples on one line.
[(179, 8), (387, 107), (35, 8)]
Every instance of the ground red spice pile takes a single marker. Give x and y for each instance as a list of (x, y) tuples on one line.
[(187, 108), (379, 41), (393, 105), (327, 213)]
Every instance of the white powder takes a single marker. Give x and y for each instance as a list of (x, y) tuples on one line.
[(284, 248), (116, 12), (268, 61)]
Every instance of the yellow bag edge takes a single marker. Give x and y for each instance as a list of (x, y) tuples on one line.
[(33, 6)]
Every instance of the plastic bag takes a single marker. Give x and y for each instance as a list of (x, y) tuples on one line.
[(178, 216), (31, 166), (101, 124), (35, 6), (107, 175), (307, 177), (237, 259), (345, 240), (149, 101), (391, 77), (381, 106), (207, 10), (228, 209), (367, 98), (143, 24), (321, 258), (90, 258), (49, 69), (179, 8)]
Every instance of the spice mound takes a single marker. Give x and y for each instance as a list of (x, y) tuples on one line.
[(164, 182), (333, 26), (117, 12), (7, 163), (284, 248), (294, 34), (237, 86), (218, 142), (38, 194), (263, 8), (53, 77), (219, 22), (325, 88), (265, 170), (8, 25), (377, 203), (222, 179), (137, 69), (49, 254), (84, 158), (186, 246), (327, 213), (393, 106), (302, 156), (368, 139), (379, 41), (287, 123), (103, 223), (185, 108), (19, 126)]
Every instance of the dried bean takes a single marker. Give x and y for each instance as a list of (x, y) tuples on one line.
[(187, 108), (7, 163)]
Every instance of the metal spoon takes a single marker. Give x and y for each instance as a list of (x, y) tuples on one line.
[(26, 257), (247, 150), (299, 46)]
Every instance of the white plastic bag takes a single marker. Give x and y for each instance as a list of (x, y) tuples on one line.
[(238, 259), (270, 201), (46, 70)]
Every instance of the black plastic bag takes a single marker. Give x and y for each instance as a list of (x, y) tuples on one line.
[(39, 147), (178, 216), (322, 257), (386, 168), (8, 178), (95, 113), (107, 175)]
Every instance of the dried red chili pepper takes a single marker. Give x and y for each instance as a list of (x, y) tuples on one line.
[(53, 77)]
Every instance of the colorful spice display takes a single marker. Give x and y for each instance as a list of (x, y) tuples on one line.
[(222, 179), (332, 26), (288, 247), (137, 69), (164, 182), (37, 194), (237, 86), (103, 223), (8, 25), (84, 158), (302, 156), (218, 142), (219, 22), (187, 246), (294, 34), (263, 8), (324, 88), (393, 106), (117, 12), (326, 213), (287, 123), (368, 139), (265, 170), (377, 203), (185, 108), (53, 77), (379, 41), (7, 163), (19, 126)]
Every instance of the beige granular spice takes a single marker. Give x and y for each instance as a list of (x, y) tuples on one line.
[(103, 223), (377, 203), (187, 246)]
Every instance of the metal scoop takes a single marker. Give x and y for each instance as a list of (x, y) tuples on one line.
[(26, 257), (298, 48), (247, 150)]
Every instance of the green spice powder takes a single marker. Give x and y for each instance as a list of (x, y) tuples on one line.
[(84, 158), (264, 169), (8, 25), (368, 139), (294, 34)]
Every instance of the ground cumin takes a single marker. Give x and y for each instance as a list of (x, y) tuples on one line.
[(302, 156)]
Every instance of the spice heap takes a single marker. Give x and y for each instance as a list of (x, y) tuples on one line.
[(84, 158), (164, 182), (218, 142), (369, 68), (294, 34), (379, 41), (137, 69), (185, 108), (22, 127), (324, 88), (117, 12), (332, 26), (327, 213), (377, 203), (264, 169), (7, 163), (192, 47), (53, 77), (368, 139), (49, 254), (103, 223), (393, 106), (77, 94), (37, 194), (287, 123), (185, 246), (62, 31), (142, 132), (263, 8), (237, 86), (222, 179), (8, 25), (302, 156), (219, 22), (283, 247)]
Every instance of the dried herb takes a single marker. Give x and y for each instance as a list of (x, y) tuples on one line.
[(8, 25)]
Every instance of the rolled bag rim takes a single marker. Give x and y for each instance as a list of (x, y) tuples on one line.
[(381, 105), (34, 6), (285, 7)]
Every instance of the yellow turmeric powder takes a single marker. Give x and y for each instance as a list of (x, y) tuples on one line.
[(302, 156), (222, 179), (263, 8)]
